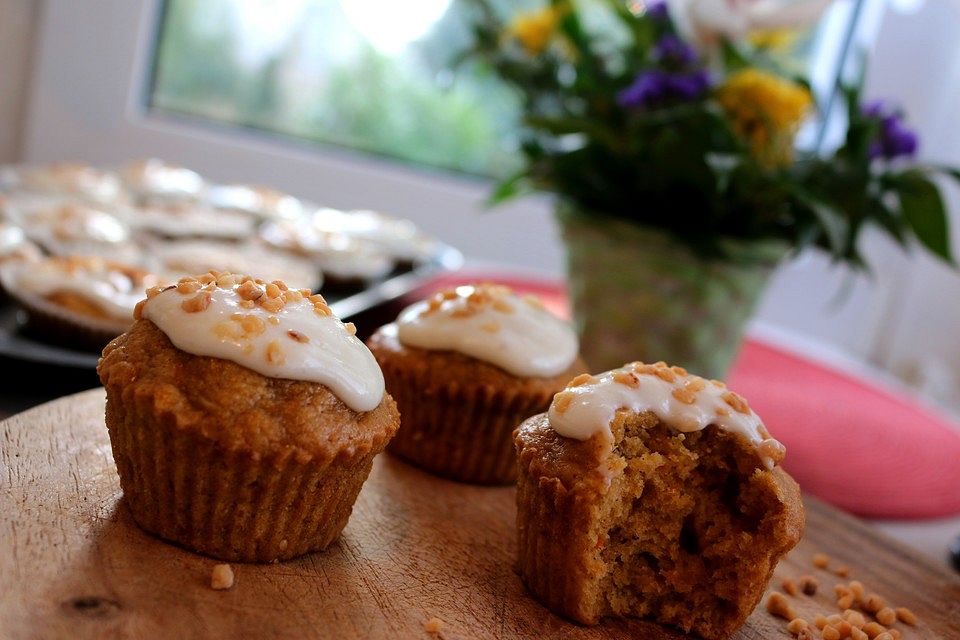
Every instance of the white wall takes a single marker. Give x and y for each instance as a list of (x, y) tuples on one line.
[(18, 19)]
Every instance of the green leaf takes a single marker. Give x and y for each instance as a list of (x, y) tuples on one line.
[(923, 209), (512, 187), (832, 222)]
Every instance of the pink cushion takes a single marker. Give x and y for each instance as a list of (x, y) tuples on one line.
[(856, 445)]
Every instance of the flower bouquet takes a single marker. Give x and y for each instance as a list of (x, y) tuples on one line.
[(666, 132)]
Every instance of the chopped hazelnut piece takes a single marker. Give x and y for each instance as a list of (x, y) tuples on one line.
[(773, 449), (350, 327), (855, 618), (299, 337), (843, 571), (249, 290), (821, 560), (808, 584), (582, 379), (684, 395), (830, 633), (273, 290), (188, 287), (858, 634), (820, 621), (561, 401), (796, 625), (886, 616), (275, 353), (856, 588), (778, 606), (886, 635), (502, 306), (221, 577), (873, 603), (736, 401), (490, 327), (906, 616), (873, 629), (433, 625), (665, 374), (789, 587), (273, 320), (198, 303), (626, 378)]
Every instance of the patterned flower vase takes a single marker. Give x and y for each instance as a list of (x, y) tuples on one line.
[(638, 294)]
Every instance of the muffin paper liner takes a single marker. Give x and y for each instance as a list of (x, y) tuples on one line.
[(459, 430), (231, 505)]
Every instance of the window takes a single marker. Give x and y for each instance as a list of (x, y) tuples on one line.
[(372, 75)]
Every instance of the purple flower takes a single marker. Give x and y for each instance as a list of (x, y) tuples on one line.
[(673, 51), (895, 139), (657, 10), (654, 87)]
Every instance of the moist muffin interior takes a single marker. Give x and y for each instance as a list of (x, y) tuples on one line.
[(691, 519)]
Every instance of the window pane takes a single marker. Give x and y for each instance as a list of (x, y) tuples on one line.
[(367, 74)]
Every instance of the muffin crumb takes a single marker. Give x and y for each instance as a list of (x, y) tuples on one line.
[(221, 577), (796, 625), (433, 625), (808, 584)]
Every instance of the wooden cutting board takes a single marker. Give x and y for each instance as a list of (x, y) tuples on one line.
[(74, 565)]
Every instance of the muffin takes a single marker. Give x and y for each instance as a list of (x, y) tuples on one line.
[(652, 493), (68, 179), (78, 229), (466, 367), (81, 302), (187, 257), (190, 220), (243, 417), (156, 181), (345, 262)]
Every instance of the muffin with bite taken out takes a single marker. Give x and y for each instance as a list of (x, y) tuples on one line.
[(243, 416), (649, 492), (466, 367)]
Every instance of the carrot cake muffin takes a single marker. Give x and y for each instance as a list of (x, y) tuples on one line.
[(68, 179), (190, 220), (15, 246), (186, 257), (466, 367), (648, 492), (243, 416), (78, 229), (344, 262), (153, 180), (82, 302)]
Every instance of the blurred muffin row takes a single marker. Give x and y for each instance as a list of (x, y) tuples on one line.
[(78, 243)]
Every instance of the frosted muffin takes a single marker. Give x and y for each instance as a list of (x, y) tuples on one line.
[(68, 179), (15, 246), (243, 417), (157, 181), (187, 257), (82, 302), (649, 492), (77, 229), (190, 220), (466, 367), (344, 262)]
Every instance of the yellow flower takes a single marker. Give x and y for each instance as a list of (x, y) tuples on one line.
[(774, 39), (766, 111), (535, 29)]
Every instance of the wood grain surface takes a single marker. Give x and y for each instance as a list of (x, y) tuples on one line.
[(74, 565)]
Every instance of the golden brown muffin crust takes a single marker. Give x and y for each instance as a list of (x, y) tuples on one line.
[(238, 408), (440, 367)]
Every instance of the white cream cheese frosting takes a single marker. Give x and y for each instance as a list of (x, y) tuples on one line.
[(491, 323), (155, 178), (114, 288), (682, 401), (268, 328)]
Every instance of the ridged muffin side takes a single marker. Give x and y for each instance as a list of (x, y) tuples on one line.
[(230, 463)]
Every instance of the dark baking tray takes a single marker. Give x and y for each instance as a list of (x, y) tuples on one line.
[(17, 345)]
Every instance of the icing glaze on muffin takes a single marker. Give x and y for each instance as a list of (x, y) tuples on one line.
[(682, 401), (112, 289), (153, 178), (269, 328), (73, 179), (14, 244), (491, 323)]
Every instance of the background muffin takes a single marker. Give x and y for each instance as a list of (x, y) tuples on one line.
[(652, 493), (466, 367), (243, 416)]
